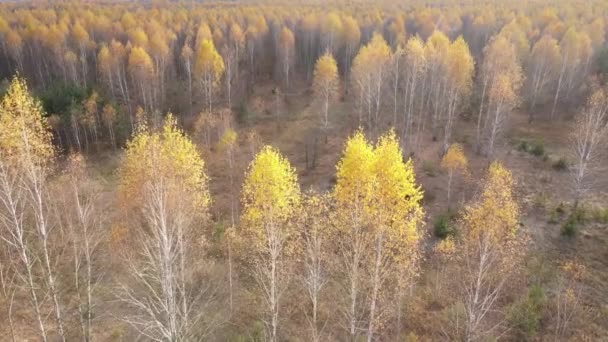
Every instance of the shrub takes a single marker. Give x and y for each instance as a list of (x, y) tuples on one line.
[(569, 228), (443, 225), (561, 164), (525, 315), (523, 146), (538, 149)]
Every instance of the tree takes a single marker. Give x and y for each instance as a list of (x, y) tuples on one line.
[(353, 197), (314, 222), (142, 74), (208, 68), (26, 155), (186, 56), (286, 52), (490, 250), (454, 161), (542, 68), (500, 58), (460, 67), (84, 217), (270, 198), (162, 177), (351, 36), (396, 216), (108, 115), (590, 131), (369, 69), (503, 98), (415, 69), (326, 82)]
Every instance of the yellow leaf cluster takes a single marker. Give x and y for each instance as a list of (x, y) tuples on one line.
[(208, 62), (326, 74), (169, 157), (371, 57), (380, 187), (270, 194), (494, 216), (454, 159), (25, 135)]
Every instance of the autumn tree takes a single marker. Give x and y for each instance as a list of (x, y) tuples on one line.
[(208, 69), (460, 67), (314, 222), (162, 177), (500, 61), (108, 116), (396, 214), (454, 161), (369, 73), (542, 69), (503, 98), (141, 70), (286, 47), (270, 198), (575, 53), (353, 196), (27, 155), (589, 133), (326, 82), (490, 249), (414, 72)]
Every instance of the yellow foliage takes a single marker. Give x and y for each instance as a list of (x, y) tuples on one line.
[(355, 175), (140, 62), (169, 157), (25, 135), (228, 139), (454, 159), (494, 216), (396, 196), (270, 194), (371, 57), (208, 62)]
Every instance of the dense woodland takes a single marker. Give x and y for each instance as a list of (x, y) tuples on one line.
[(302, 171)]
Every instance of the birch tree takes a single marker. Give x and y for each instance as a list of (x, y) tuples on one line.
[(325, 83), (162, 178), (270, 198), (589, 134)]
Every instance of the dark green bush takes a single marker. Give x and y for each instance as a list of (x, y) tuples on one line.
[(569, 228), (523, 146), (60, 97), (525, 315), (443, 225)]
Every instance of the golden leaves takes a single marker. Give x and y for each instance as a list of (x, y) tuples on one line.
[(208, 62), (380, 186), (495, 214), (169, 157), (270, 194), (25, 136), (454, 159)]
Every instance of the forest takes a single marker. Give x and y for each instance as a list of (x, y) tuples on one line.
[(304, 170)]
